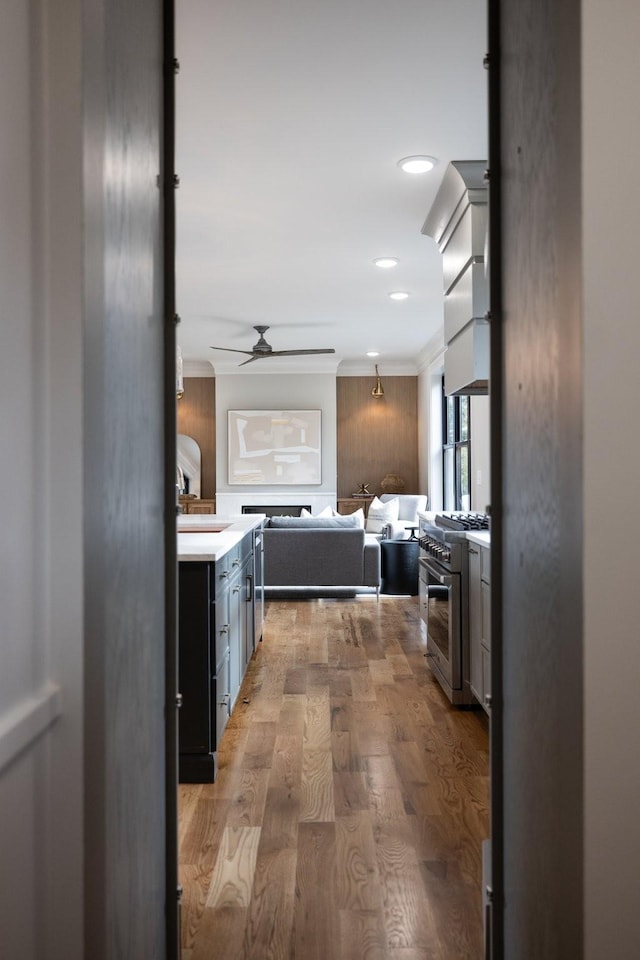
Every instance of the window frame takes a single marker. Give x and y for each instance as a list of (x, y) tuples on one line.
[(453, 452)]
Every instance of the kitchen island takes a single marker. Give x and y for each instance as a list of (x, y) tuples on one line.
[(220, 614)]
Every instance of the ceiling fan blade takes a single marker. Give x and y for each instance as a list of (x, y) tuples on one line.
[(256, 356), (232, 350), (298, 353)]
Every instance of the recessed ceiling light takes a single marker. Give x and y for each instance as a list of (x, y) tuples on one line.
[(399, 295), (373, 353), (386, 262), (418, 164)]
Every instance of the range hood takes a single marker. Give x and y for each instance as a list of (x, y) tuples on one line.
[(457, 222)]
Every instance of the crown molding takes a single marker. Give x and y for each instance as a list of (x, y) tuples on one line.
[(356, 368), (197, 368), (434, 350), (279, 366)]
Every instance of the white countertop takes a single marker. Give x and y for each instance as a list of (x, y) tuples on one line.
[(481, 537), (203, 537)]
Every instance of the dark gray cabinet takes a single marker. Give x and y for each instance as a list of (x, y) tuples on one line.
[(216, 641)]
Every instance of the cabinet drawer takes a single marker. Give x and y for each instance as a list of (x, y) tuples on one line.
[(219, 633), (485, 564), (486, 675), (245, 549), (191, 505), (485, 591), (221, 572), (477, 672), (220, 701), (349, 505)]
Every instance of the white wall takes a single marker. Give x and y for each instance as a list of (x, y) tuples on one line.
[(423, 431), (289, 392), (480, 454), (611, 213), (41, 584)]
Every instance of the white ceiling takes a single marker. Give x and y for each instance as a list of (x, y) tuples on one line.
[(291, 117)]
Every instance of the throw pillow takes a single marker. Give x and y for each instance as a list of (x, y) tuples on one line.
[(380, 514), (359, 515), (325, 512)]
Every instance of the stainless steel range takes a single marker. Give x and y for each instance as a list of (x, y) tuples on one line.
[(444, 599)]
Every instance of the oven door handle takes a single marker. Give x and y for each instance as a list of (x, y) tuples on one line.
[(439, 575)]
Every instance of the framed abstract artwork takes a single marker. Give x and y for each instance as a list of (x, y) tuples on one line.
[(271, 447)]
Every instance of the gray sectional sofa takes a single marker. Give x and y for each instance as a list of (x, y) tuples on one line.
[(321, 555)]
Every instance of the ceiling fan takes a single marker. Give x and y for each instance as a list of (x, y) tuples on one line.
[(262, 349)]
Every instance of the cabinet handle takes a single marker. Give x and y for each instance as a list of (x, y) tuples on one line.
[(236, 589), (235, 563), (250, 587), (471, 550), (224, 573), (224, 701), (224, 628), (488, 699)]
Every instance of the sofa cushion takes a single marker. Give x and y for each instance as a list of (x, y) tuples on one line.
[(380, 514), (312, 523)]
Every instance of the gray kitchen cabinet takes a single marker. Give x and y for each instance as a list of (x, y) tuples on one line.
[(241, 622), (475, 621), (480, 622)]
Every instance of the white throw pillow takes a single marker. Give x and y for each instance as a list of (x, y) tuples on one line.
[(360, 516), (380, 514), (325, 512)]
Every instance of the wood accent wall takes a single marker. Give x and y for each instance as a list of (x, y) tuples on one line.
[(376, 437), (197, 418)]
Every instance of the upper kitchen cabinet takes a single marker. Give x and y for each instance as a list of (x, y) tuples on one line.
[(458, 223)]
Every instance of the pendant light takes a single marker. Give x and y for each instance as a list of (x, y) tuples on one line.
[(378, 390), (179, 378)]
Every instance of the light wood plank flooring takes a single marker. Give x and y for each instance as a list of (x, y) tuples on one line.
[(347, 818)]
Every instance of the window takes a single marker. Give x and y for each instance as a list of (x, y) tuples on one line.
[(456, 452)]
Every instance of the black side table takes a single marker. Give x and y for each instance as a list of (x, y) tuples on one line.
[(399, 566)]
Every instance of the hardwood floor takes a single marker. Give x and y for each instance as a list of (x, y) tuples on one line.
[(351, 801)]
